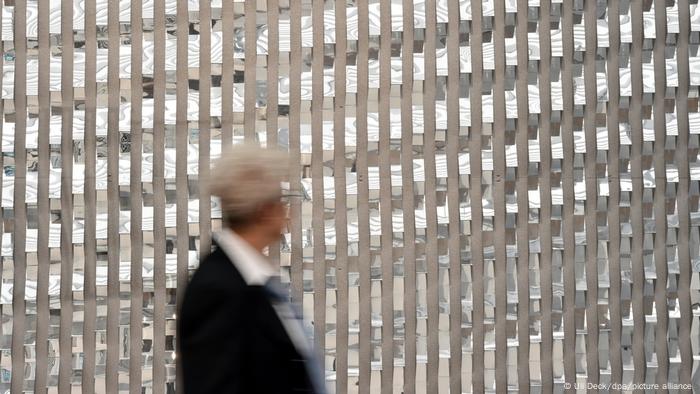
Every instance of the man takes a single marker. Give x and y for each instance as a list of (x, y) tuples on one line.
[(238, 333)]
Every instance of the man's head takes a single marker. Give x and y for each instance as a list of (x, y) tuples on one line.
[(247, 179)]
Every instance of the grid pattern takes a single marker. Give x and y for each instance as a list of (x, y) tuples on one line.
[(498, 195)]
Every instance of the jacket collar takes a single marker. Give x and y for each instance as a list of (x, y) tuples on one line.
[(254, 267)]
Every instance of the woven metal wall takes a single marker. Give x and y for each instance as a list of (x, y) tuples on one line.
[(498, 195)]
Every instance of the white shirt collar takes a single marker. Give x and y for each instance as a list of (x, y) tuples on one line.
[(252, 265)]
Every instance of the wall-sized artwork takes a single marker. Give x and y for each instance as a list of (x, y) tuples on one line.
[(497, 195)]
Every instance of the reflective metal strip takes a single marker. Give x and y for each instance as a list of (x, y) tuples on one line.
[(317, 194), (408, 198), (272, 109), (44, 218), (136, 201), (363, 196), (567, 183), (113, 201), (614, 238), (453, 183), (19, 256), (295, 149), (635, 121), (340, 216), (90, 198), (227, 44), (431, 252), (250, 88), (475, 180), (659, 114), (205, 76), (522, 177), (498, 180), (545, 186), (182, 191), (681, 157), (591, 182), (159, 232), (385, 204)]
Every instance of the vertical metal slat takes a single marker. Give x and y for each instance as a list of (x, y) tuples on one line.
[(522, 177), (408, 196), (453, 148), (136, 193), (341, 218), (385, 205), (659, 157), (475, 180), (613, 125), (363, 196), (567, 182), (681, 157), (635, 121), (591, 182), (43, 253)]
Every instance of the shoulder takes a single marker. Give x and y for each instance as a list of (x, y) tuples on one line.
[(214, 285), (217, 268), (216, 275)]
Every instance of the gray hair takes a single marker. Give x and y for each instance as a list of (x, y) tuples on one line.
[(245, 177)]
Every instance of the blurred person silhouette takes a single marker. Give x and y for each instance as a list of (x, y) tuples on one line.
[(238, 331)]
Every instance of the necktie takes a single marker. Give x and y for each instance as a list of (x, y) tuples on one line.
[(279, 295)]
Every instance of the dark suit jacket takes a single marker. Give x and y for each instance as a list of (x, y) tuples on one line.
[(231, 339)]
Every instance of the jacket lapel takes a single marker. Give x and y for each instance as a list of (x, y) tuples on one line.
[(262, 311), (265, 317)]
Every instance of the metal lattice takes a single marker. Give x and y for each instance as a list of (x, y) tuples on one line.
[(498, 195)]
